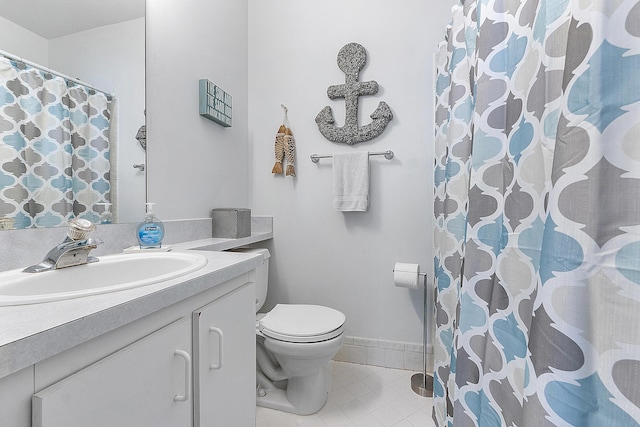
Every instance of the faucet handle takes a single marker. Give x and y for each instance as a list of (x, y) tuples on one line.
[(79, 229)]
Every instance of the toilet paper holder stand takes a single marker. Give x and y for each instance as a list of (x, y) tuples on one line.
[(422, 383)]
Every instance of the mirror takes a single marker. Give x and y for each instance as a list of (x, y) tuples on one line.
[(101, 43)]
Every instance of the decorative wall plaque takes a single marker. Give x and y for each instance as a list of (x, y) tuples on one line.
[(351, 60), (215, 103)]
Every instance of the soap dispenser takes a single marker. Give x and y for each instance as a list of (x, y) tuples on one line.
[(107, 216), (150, 232)]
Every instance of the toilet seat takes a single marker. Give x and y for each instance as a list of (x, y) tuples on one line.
[(302, 323)]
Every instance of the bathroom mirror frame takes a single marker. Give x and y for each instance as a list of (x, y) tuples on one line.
[(87, 21)]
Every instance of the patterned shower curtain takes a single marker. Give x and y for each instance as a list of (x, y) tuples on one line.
[(537, 215), (54, 148)]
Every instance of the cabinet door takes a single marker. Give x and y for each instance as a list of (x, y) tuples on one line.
[(147, 383), (15, 398), (225, 361)]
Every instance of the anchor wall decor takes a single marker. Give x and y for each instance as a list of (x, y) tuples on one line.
[(351, 60)]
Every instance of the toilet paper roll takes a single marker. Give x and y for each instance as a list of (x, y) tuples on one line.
[(406, 275)]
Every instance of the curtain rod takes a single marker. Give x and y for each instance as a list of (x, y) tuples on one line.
[(49, 70)]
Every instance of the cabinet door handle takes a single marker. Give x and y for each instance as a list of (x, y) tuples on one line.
[(218, 332), (187, 376)]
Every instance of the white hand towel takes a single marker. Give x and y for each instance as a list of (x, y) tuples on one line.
[(351, 182)]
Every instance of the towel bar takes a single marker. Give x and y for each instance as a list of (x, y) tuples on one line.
[(315, 158)]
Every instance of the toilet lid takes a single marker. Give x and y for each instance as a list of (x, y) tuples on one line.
[(302, 323)]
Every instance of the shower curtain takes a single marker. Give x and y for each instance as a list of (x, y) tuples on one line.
[(537, 215), (54, 148)]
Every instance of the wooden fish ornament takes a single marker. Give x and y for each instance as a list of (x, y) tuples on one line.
[(279, 149), (290, 151)]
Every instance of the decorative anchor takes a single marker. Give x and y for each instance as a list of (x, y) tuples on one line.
[(351, 60)]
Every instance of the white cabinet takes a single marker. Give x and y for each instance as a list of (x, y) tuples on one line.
[(147, 383), (192, 363), (15, 398), (224, 361)]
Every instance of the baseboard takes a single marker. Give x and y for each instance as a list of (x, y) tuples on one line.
[(387, 354)]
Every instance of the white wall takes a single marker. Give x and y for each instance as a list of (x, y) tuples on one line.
[(112, 58), (22, 42), (345, 260), (195, 164)]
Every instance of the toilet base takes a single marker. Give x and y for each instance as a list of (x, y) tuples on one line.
[(302, 395)]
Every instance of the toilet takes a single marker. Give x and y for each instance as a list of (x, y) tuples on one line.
[(295, 343)]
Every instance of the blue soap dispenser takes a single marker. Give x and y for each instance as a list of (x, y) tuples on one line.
[(150, 232)]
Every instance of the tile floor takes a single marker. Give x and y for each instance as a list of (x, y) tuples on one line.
[(361, 396)]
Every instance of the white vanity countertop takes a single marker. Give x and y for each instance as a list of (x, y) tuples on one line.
[(32, 333)]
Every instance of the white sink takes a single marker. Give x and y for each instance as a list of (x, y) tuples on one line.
[(112, 273)]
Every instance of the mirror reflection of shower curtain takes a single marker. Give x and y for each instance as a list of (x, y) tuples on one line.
[(54, 148), (537, 215)]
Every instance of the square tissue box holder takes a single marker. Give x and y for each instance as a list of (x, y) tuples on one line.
[(231, 223)]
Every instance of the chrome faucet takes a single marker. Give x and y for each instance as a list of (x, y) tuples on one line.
[(74, 250)]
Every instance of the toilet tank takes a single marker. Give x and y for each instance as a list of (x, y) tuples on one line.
[(260, 276)]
